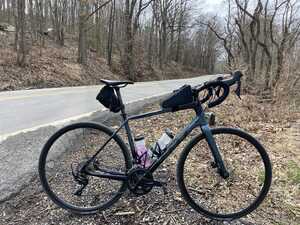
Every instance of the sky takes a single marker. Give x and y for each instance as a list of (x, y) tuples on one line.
[(215, 7)]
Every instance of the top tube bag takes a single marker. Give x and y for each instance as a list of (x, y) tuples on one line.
[(182, 96), (109, 99)]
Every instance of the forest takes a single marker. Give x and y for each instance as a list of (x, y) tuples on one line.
[(259, 37)]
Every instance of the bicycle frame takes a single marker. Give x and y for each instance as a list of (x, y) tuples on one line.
[(198, 121)]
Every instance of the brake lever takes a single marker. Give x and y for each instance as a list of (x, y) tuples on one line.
[(238, 89), (218, 91)]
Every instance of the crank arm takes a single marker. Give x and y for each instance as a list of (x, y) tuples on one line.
[(80, 190), (162, 185), (158, 183)]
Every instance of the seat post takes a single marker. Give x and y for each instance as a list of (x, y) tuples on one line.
[(124, 115)]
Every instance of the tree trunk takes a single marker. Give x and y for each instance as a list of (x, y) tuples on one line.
[(46, 16), (21, 54), (150, 44), (180, 25), (128, 62), (32, 22), (280, 56), (73, 15), (14, 8), (82, 43), (163, 44), (110, 34)]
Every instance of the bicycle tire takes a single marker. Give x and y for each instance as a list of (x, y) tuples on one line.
[(233, 215), (43, 160)]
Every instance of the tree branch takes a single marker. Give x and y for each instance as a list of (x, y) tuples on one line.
[(97, 9), (244, 9)]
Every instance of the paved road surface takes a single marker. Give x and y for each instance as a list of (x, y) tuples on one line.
[(28, 110), (29, 118)]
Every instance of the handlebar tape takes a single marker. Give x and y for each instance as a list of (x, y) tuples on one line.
[(220, 83), (224, 95)]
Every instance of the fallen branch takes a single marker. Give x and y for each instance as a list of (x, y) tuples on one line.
[(124, 213)]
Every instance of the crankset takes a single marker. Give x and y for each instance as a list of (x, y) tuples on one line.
[(140, 182)]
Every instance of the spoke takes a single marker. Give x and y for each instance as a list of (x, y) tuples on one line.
[(214, 193), (76, 147)]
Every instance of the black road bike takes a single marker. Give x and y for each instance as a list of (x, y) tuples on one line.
[(222, 173)]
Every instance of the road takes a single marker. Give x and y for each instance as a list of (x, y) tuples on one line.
[(28, 110)]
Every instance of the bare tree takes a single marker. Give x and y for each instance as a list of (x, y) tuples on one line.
[(21, 54), (288, 22), (84, 16), (131, 23), (255, 31), (225, 38), (111, 33)]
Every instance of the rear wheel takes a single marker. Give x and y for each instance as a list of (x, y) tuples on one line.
[(249, 179), (66, 152)]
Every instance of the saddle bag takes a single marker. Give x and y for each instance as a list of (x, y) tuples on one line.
[(109, 99), (182, 96)]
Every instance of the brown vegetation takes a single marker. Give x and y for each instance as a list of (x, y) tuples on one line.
[(57, 66)]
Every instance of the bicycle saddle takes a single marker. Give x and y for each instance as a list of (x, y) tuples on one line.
[(114, 83)]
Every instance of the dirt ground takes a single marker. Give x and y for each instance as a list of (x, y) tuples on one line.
[(272, 125)]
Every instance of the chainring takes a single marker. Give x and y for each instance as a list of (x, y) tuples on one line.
[(139, 183)]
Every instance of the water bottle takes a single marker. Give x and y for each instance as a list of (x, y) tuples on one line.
[(161, 145), (143, 154)]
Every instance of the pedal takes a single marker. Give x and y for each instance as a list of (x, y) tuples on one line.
[(161, 184), (79, 191)]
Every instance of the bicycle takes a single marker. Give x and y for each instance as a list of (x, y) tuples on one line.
[(79, 163)]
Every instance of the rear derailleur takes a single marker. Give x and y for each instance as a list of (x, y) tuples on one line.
[(80, 177)]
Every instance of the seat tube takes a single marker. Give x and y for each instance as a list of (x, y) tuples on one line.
[(126, 125)]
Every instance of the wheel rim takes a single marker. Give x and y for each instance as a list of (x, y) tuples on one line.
[(242, 192), (72, 147)]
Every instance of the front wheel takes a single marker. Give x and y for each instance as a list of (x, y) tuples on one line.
[(249, 180)]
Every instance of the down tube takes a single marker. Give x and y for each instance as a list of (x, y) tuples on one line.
[(176, 141)]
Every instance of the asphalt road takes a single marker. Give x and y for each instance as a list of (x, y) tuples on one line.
[(28, 110)]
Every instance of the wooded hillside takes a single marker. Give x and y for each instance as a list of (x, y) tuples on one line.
[(155, 39)]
